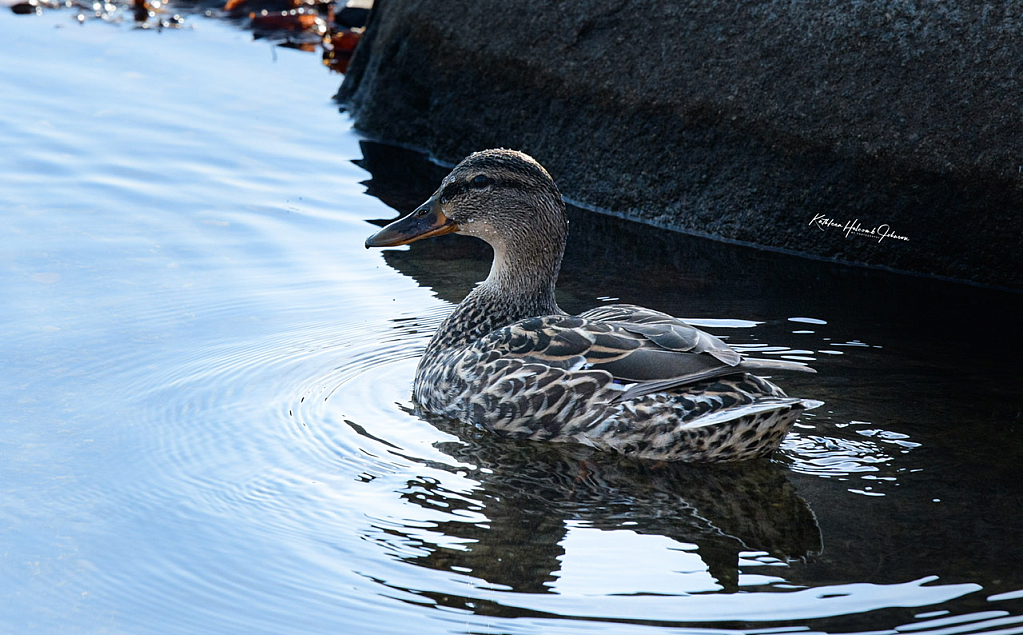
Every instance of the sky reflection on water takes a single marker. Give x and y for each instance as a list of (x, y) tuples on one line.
[(209, 428)]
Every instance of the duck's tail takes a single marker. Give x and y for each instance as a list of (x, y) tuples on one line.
[(752, 365), (759, 407)]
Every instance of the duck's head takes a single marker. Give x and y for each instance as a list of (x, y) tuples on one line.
[(502, 196)]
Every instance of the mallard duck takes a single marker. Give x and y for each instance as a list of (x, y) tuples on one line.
[(618, 377)]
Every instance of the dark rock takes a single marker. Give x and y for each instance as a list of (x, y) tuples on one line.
[(27, 8), (351, 17), (794, 125)]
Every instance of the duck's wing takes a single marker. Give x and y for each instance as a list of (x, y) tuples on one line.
[(652, 351), (666, 331), (672, 333)]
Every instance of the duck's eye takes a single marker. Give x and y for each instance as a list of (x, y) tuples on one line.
[(481, 181)]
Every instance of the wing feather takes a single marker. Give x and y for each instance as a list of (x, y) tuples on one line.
[(651, 350)]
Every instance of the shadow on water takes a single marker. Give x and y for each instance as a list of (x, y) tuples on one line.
[(910, 468)]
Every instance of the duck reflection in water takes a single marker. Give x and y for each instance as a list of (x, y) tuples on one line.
[(531, 494)]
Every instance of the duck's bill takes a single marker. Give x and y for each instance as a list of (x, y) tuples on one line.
[(425, 222)]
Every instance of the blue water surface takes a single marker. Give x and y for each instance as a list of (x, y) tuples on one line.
[(206, 421)]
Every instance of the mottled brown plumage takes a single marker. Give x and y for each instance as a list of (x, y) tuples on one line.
[(618, 377)]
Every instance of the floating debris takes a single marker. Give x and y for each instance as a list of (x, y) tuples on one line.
[(307, 25)]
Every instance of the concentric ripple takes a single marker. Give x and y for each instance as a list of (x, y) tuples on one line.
[(207, 425)]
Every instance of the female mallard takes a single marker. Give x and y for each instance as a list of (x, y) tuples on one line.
[(617, 377)]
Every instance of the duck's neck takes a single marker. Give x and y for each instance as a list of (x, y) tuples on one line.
[(523, 277), (520, 285)]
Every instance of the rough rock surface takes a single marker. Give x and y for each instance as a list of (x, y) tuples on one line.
[(799, 125)]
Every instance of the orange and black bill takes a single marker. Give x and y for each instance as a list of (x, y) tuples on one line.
[(426, 221)]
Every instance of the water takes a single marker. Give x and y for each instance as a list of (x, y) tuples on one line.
[(206, 391)]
